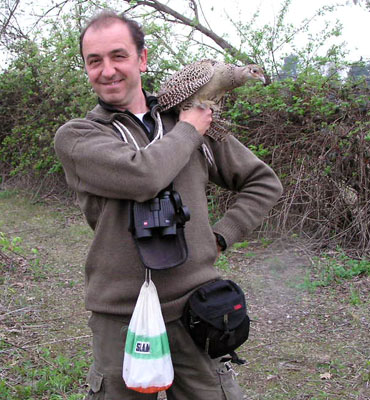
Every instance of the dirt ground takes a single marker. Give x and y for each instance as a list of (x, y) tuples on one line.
[(304, 344)]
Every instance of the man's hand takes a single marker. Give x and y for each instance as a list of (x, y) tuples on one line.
[(199, 117)]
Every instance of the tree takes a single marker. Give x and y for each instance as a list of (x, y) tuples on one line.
[(8, 26), (311, 127), (290, 67), (42, 88), (365, 3), (358, 71), (166, 12)]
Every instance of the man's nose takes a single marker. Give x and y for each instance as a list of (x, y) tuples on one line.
[(108, 69)]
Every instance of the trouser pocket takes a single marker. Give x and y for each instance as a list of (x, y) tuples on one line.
[(96, 383)]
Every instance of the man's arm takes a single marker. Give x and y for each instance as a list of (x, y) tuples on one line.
[(98, 162), (258, 188)]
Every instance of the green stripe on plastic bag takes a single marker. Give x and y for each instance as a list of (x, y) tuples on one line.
[(139, 346)]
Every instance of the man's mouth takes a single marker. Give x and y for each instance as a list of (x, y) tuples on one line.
[(113, 83)]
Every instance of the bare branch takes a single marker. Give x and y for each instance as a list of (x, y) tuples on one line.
[(6, 23), (194, 7), (204, 16), (217, 50), (193, 23), (169, 48), (58, 6)]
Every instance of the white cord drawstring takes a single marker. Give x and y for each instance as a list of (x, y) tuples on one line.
[(207, 154), (123, 130)]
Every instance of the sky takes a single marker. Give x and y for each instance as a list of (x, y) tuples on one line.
[(355, 19)]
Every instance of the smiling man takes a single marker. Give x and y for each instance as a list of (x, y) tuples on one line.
[(125, 151), (114, 67)]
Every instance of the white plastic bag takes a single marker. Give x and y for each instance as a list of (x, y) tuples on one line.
[(147, 364)]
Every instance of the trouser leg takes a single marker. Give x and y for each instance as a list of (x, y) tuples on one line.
[(197, 376), (105, 375)]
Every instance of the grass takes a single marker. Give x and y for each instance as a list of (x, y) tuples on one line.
[(44, 341), (45, 377), (355, 298), (309, 342), (7, 194), (241, 245), (222, 262), (304, 344), (329, 270)]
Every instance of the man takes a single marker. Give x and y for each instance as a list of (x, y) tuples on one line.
[(115, 156)]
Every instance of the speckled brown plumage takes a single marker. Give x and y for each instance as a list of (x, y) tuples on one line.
[(205, 83)]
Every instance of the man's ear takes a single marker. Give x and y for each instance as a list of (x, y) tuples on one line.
[(143, 60)]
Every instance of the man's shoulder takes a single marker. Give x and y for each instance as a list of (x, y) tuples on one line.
[(100, 114), (97, 117), (75, 124)]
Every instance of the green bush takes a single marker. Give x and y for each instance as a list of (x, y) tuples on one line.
[(313, 130), (43, 87), (310, 124)]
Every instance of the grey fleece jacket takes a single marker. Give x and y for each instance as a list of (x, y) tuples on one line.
[(107, 173)]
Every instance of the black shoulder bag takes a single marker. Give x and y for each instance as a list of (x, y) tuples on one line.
[(216, 318)]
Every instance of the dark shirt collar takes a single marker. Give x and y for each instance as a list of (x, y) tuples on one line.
[(151, 101), (148, 123)]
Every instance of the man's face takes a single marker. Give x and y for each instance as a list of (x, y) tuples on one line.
[(113, 64)]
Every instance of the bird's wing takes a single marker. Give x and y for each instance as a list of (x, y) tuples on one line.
[(219, 130), (184, 83)]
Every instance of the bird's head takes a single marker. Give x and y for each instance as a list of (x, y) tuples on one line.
[(250, 72), (256, 72)]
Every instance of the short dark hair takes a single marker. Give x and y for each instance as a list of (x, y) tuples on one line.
[(103, 19)]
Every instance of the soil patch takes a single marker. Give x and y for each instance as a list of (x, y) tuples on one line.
[(304, 343)]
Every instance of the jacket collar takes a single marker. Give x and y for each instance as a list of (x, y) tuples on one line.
[(106, 113)]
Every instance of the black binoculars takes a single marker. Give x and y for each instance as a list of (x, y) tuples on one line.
[(162, 215)]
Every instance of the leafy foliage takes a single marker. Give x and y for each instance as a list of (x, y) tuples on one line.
[(56, 377), (315, 129), (330, 269), (310, 124), (42, 88)]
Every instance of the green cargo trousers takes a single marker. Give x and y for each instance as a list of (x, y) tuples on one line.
[(197, 376)]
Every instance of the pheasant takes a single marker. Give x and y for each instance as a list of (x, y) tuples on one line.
[(205, 83)]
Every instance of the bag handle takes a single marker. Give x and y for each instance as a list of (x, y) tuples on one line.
[(148, 276), (216, 286)]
